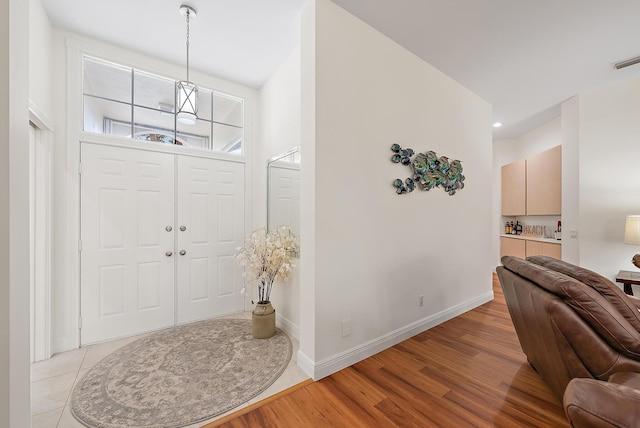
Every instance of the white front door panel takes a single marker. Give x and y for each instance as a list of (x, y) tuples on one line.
[(127, 260), (210, 207)]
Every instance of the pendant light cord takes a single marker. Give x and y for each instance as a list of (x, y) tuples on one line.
[(188, 13)]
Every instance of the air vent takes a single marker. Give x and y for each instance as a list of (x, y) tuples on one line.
[(626, 63)]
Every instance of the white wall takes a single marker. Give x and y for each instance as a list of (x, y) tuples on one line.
[(63, 328), (607, 123), (5, 218), (40, 60), (375, 252), (14, 215), (535, 141), (506, 151), (279, 131), (307, 343), (570, 179)]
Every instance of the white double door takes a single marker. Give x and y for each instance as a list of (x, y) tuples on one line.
[(158, 237)]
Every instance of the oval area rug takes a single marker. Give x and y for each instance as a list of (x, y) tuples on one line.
[(180, 376)]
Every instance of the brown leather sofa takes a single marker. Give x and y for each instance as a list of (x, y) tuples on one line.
[(596, 403), (571, 323)]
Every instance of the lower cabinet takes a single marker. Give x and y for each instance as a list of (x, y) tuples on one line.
[(512, 247), (524, 248), (537, 248)]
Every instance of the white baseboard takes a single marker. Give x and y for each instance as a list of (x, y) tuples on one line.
[(306, 364), (292, 329), (61, 345), (351, 356)]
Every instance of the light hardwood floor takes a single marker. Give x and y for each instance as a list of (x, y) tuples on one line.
[(467, 372)]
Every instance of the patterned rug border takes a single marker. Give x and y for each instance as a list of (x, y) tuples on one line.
[(97, 378)]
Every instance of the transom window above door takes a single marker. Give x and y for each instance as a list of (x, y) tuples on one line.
[(124, 101)]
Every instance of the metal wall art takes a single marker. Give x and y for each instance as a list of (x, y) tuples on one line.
[(429, 171)]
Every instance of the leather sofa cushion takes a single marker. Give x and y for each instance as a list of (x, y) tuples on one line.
[(594, 403), (589, 304), (602, 285)]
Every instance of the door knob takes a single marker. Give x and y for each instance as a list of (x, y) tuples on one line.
[(183, 252), (168, 254), (168, 228), (183, 228)]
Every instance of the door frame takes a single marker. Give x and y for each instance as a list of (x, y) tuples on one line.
[(40, 212), (66, 334)]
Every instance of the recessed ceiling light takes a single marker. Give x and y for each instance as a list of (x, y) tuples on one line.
[(497, 124)]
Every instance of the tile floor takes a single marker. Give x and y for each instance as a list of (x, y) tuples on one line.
[(52, 381)]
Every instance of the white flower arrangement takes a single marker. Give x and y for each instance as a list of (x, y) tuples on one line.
[(267, 256)]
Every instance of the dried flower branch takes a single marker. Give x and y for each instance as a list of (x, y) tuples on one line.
[(267, 257)]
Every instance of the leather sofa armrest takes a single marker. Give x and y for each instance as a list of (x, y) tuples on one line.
[(595, 403), (630, 379)]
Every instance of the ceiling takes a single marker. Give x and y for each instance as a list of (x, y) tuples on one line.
[(524, 57)]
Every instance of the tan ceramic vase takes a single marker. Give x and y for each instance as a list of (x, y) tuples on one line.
[(263, 320)]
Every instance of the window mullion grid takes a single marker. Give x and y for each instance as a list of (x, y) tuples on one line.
[(133, 87), (175, 115), (132, 104), (211, 125)]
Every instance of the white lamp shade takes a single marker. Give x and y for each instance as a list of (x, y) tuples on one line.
[(187, 98), (632, 230)]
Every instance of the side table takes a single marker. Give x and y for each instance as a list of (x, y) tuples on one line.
[(627, 278)]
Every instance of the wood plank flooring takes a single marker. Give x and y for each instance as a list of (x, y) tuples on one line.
[(467, 372)]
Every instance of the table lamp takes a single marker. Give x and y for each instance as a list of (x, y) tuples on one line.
[(632, 235)]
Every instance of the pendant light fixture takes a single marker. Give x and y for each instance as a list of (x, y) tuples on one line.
[(186, 91)]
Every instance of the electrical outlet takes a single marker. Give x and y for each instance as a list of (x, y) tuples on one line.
[(421, 300), (573, 233), (347, 327)]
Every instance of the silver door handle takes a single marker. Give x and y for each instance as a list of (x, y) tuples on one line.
[(168, 228), (168, 254), (183, 228), (183, 252)]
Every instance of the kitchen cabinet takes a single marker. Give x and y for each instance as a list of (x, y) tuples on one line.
[(514, 188), (535, 248), (533, 186), (552, 250), (522, 246), (512, 247), (544, 182)]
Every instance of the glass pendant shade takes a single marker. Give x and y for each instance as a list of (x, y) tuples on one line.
[(187, 97)]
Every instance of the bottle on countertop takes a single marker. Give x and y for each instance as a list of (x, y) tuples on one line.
[(518, 228), (558, 233)]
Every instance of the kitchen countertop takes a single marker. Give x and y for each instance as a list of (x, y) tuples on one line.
[(532, 238)]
